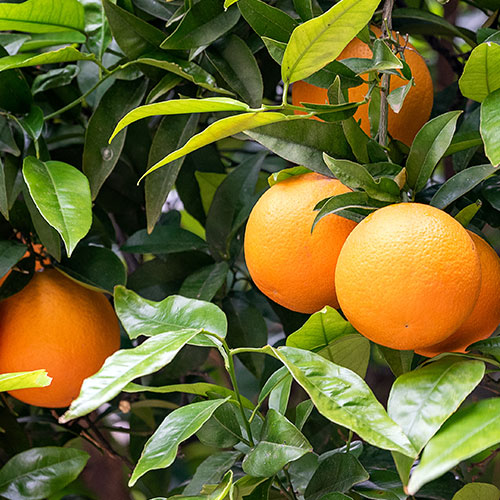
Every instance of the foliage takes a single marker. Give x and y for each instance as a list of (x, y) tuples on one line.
[(105, 108)]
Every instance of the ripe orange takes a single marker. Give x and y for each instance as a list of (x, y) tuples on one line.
[(58, 325), (408, 276), (485, 316), (287, 263), (417, 105)]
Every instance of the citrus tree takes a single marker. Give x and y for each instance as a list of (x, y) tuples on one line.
[(339, 345)]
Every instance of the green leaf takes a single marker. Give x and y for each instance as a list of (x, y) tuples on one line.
[(304, 141), (62, 195), (24, 380), (397, 97), (211, 471), (38, 473), (99, 158), (96, 27), (481, 74), (428, 147), (96, 267), (343, 397), (339, 472), (357, 176), (334, 338), (62, 55), (220, 130), (464, 140), (49, 237), (468, 213), (266, 20), (222, 429), (236, 64), (280, 394), (163, 240), (321, 40), (175, 313), (126, 365), (277, 378), (474, 491), (197, 388), (186, 69), (32, 123), (54, 78), (204, 283), (468, 432), (41, 16), (11, 252), (161, 448), (15, 97), (231, 205), (203, 23), (134, 36), (490, 123), (172, 133), (399, 361), (179, 106), (355, 206), (423, 399), (460, 184), (281, 443), (286, 173), (37, 41)]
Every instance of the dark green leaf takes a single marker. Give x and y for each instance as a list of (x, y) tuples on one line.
[(161, 449), (475, 491), (339, 472), (15, 96), (205, 283), (62, 195), (96, 27), (202, 24), (99, 157), (304, 141), (96, 267), (222, 429), (38, 473), (32, 123), (281, 443), (54, 78), (238, 67), (460, 184), (428, 147), (267, 21), (11, 252), (399, 361)]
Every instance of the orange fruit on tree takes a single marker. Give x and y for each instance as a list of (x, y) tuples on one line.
[(408, 276), (417, 105), (485, 316), (287, 262), (60, 326)]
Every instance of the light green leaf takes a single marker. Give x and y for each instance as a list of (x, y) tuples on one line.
[(127, 365), (468, 432), (24, 380), (222, 129), (423, 399), (428, 147), (490, 126), (343, 397), (178, 107), (62, 195), (476, 491), (286, 173), (161, 448), (468, 213), (281, 443), (481, 74), (63, 55), (38, 473), (321, 40), (41, 16), (460, 184), (175, 313), (280, 395)]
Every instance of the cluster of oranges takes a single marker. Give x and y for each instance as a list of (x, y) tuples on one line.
[(409, 276), (58, 325)]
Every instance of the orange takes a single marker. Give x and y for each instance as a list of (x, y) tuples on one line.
[(57, 325), (408, 276), (287, 263), (417, 105), (485, 316)]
